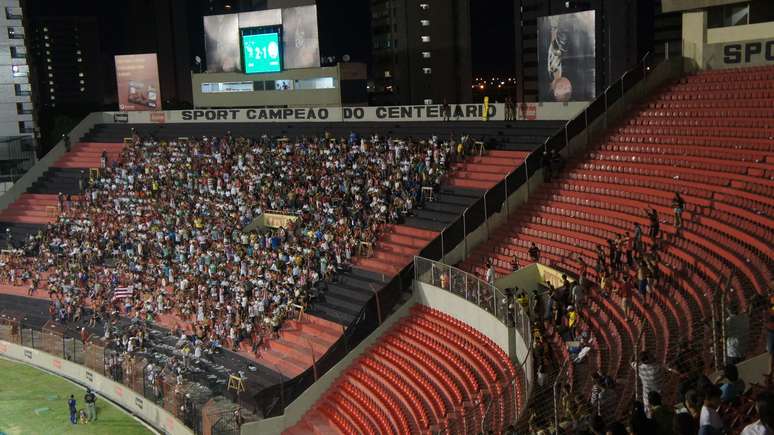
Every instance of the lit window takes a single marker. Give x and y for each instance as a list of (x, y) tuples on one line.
[(426, 54), (424, 23), (387, 73), (80, 60), (428, 101), (51, 82), (83, 81), (425, 38), (83, 89), (424, 6), (80, 74), (427, 70), (77, 51), (51, 74)]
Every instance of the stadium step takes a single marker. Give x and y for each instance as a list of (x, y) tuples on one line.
[(410, 375), (391, 252), (87, 155)]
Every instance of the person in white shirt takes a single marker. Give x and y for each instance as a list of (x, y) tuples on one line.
[(710, 422), (490, 273), (764, 404)]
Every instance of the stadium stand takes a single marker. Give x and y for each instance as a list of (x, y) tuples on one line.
[(300, 342), (429, 373), (707, 137)]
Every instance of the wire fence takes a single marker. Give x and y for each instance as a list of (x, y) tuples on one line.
[(181, 398)]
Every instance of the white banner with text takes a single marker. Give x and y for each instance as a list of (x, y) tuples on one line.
[(419, 113)]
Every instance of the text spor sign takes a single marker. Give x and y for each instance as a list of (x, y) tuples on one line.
[(736, 54), (458, 112)]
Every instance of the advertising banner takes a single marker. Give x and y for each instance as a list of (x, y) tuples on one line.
[(567, 57), (137, 78), (457, 112)]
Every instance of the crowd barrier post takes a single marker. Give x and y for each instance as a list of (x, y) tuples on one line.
[(722, 332), (714, 347)]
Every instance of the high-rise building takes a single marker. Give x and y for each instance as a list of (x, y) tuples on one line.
[(420, 51), (17, 122), (16, 110), (66, 58)]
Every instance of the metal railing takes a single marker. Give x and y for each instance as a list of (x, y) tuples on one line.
[(476, 291)]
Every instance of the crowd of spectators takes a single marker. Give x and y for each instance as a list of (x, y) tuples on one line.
[(159, 231)]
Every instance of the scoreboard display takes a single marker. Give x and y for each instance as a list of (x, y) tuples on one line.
[(261, 53)]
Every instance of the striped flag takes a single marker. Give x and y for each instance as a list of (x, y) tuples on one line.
[(122, 292)]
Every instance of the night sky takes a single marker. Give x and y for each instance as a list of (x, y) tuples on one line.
[(129, 27), (492, 37)]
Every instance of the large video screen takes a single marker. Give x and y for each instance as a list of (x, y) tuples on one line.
[(221, 42), (567, 57), (299, 34), (296, 27), (261, 53)]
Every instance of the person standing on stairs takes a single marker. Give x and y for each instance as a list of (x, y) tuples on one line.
[(534, 252), (637, 239), (653, 230), (651, 375), (679, 205), (490, 272), (81, 182)]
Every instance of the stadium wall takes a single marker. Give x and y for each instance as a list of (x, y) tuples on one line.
[(727, 47), (117, 393)]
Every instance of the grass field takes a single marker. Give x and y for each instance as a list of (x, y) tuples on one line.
[(34, 402)]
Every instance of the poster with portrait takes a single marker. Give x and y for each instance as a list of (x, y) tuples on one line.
[(137, 77), (567, 57)]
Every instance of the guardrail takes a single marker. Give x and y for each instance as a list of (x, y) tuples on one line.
[(589, 124), (476, 291)]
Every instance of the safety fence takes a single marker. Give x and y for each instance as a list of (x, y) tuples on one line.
[(185, 400)]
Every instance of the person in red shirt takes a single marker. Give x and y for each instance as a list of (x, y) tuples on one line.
[(625, 290)]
